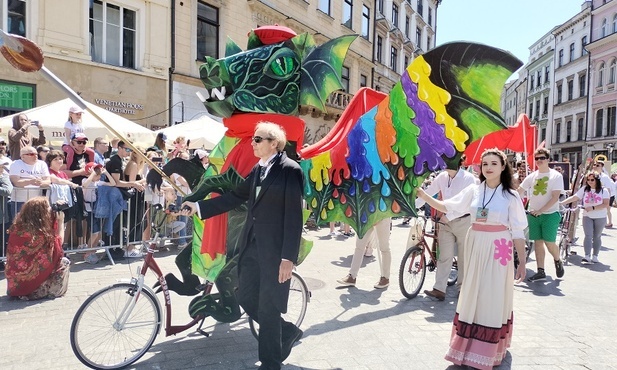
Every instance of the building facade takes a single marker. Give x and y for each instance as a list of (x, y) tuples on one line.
[(115, 54), (570, 88), (602, 117)]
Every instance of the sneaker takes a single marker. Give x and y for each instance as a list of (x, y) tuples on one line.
[(540, 275), (133, 253), (383, 283), (182, 246), (347, 281), (559, 268), (594, 259), (586, 259), (334, 233), (92, 259), (368, 252)]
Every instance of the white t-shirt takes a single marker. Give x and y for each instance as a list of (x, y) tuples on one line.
[(608, 183), (504, 208), (25, 171), (591, 198), (75, 128), (540, 186)]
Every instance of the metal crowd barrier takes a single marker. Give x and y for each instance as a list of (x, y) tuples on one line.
[(127, 229)]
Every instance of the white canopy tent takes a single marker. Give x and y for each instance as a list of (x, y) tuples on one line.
[(53, 116), (204, 132)]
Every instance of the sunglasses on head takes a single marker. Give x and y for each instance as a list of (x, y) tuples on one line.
[(540, 158), (259, 139), (80, 141)]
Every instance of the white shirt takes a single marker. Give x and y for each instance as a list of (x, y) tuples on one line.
[(75, 128), (504, 208), (540, 186), (449, 187), (591, 198), (25, 171), (608, 183)]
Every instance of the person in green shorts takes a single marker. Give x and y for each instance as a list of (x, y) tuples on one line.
[(543, 188)]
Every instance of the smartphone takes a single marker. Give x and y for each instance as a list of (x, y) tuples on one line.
[(36, 123)]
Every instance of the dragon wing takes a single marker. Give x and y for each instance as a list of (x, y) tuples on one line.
[(446, 99)]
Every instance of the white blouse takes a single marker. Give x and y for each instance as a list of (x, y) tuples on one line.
[(504, 208)]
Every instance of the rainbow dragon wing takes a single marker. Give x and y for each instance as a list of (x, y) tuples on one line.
[(446, 99)]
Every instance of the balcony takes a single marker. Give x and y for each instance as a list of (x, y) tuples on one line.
[(338, 100)]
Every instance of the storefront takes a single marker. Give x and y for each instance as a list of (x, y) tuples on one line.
[(16, 97)]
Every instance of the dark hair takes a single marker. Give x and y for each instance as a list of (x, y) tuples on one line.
[(596, 176), (159, 142), (543, 151), (506, 174), (53, 154), (36, 217)]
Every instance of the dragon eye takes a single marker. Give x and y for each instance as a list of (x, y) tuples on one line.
[(282, 64)]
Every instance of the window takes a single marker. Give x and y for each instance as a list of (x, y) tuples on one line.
[(615, 23), (532, 80), (420, 9), (599, 127), (600, 75), (570, 89), (395, 15), (345, 78), (537, 108), (347, 13), (545, 108), (547, 74), (112, 34), (571, 52), (611, 121), (560, 61), (379, 48), (405, 62), (604, 30), (611, 73), (557, 132), (207, 31), (380, 6), (429, 42), (568, 131), (363, 81), (530, 110), (430, 17), (539, 74), (583, 44), (324, 6), (582, 82), (407, 26), (418, 37), (394, 58), (15, 18), (366, 21), (559, 94), (579, 129)]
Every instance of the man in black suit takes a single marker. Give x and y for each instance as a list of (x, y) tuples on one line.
[(269, 242)]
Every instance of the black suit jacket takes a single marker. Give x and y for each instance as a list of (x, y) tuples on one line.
[(274, 217)]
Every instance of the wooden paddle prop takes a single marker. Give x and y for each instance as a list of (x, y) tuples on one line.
[(26, 56)]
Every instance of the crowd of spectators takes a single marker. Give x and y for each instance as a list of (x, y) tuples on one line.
[(96, 189)]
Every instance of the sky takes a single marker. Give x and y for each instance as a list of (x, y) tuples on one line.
[(512, 25)]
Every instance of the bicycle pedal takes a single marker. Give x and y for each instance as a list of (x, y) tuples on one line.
[(203, 332)]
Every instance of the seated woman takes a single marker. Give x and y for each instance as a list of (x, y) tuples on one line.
[(35, 266)]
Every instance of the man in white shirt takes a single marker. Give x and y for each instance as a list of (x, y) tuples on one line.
[(28, 175), (543, 188), (454, 229), (609, 184)]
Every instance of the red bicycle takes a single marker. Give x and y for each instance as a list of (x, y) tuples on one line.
[(117, 325)]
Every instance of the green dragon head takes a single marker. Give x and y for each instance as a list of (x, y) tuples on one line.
[(273, 76)]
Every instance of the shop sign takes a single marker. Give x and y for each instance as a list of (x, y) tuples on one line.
[(119, 106), (15, 96)]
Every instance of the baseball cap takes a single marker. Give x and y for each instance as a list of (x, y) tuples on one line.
[(75, 109), (201, 153), (91, 165), (79, 136)]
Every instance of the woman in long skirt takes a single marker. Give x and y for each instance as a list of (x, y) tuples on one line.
[(482, 329)]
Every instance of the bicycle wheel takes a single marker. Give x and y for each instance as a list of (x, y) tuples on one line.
[(296, 305), (101, 341), (412, 272)]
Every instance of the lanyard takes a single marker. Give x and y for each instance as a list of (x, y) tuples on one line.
[(484, 197)]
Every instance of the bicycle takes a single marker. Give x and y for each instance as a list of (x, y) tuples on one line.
[(118, 324), (564, 231), (412, 271)]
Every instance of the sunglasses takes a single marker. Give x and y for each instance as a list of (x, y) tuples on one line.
[(596, 165), (592, 179), (128, 150), (540, 158), (259, 139), (81, 141), (30, 154)]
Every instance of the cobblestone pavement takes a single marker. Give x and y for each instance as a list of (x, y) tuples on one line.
[(567, 323)]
